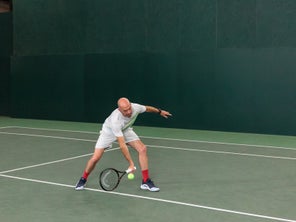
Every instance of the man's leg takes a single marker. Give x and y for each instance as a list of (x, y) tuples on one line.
[(147, 183), (142, 151), (98, 153)]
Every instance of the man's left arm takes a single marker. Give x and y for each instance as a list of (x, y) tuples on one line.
[(163, 113)]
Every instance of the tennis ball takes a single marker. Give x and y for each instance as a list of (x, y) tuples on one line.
[(130, 176)]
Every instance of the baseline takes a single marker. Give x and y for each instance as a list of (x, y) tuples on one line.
[(157, 199)]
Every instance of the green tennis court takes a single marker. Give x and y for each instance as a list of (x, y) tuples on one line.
[(203, 176)]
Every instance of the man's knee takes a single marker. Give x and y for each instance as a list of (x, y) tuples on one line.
[(142, 149), (97, 155)]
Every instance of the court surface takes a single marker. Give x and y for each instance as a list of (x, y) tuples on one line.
[(203, 176)]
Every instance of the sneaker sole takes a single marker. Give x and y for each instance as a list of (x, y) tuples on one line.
[(79, 188), (145, 187)]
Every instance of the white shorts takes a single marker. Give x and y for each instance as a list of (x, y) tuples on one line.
[(106, 138)]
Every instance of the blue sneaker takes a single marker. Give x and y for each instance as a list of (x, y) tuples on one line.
[(149, 185), (80, 184)]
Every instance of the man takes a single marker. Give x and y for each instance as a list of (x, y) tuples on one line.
[(118, 127)]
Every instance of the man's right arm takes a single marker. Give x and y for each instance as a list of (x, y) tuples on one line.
[(161, 112), (125, 152)]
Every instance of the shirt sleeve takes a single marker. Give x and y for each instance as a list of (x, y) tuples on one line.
[(139, 108)]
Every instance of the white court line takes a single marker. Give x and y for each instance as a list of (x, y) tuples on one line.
[(5, 127), (226, 143), (52, 162), (155, 199), (45, 136), (224, 152), (164, 138), (46, 163), (167, 147), (50, 129)]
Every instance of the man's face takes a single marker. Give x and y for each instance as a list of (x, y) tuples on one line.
[(126, 110)]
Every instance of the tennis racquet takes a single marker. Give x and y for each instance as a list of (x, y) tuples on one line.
[(110, 178)]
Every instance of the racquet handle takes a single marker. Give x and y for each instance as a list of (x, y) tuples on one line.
[(130, 170)]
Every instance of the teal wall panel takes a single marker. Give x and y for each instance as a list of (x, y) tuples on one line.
[(114, 26), (196, 25), (108, 77), (4, 85), (49, 27), (236, 23), (276, 23), (78, 27), (48, 87), (162, 25), (195, 77), (255, 93), (5, 52), (6, 34)]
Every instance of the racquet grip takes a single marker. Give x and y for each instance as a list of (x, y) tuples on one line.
[(130, 170)]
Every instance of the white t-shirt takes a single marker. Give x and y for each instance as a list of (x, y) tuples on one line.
[(117, 123)]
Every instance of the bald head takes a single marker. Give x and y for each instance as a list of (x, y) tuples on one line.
[(122, 102), (124, 107)]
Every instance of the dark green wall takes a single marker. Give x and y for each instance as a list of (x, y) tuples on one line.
[(215, 64), (4, 85), (49, 87), (5, 52)]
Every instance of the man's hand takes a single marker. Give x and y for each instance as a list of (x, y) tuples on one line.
[(165, 114)]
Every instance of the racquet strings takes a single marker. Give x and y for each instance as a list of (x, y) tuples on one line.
[(109, 179)]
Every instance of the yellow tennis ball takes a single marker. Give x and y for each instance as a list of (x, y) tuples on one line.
[(130, 176)]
